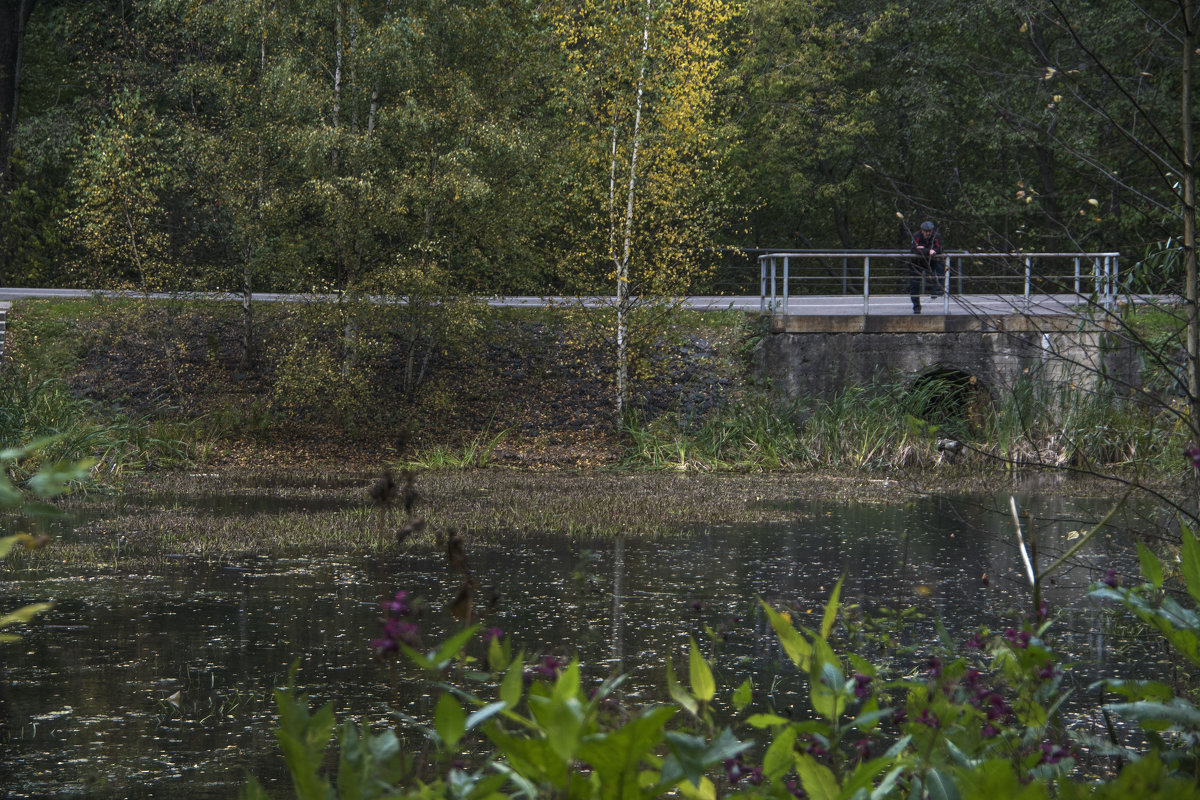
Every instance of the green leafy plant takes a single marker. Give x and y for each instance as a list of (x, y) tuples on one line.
[(51, 480), (981, 719)]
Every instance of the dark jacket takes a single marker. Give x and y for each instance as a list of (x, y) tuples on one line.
[(926, 245)]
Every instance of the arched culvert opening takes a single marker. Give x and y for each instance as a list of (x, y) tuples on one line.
[(953, 401)]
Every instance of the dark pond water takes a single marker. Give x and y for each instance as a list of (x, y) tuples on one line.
[(159, 685)]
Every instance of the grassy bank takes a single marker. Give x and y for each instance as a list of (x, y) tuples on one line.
[(147, 385)]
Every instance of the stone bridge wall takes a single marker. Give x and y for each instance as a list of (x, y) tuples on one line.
[(822, 356)]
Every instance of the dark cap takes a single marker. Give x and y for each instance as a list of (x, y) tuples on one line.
[(926, 226)]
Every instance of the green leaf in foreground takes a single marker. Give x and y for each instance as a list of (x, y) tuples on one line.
[(703, 685)]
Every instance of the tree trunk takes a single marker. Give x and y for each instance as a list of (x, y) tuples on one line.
[(14, 16), (623, 301), (1189, 219), (337, 82), (261, 188), (247, 311)]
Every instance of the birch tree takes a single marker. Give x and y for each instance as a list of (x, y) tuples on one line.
[(647, 138)]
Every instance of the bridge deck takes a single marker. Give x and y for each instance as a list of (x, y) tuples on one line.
[(931, 323), (971, 305)]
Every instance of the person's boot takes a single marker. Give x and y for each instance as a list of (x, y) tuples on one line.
[(916, 308)]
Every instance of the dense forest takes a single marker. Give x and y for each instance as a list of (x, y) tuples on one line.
[(560, 146)]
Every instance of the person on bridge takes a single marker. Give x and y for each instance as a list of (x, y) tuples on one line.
[(926, 258)]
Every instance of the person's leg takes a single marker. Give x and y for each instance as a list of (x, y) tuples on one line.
[(938, 268), (915, 271)]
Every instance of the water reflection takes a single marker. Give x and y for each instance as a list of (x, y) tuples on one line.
[(150, 685)]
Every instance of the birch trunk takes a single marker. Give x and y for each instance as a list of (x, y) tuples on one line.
[(337, 79), (622, 263)]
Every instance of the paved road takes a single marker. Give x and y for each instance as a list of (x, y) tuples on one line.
[(817, 305)]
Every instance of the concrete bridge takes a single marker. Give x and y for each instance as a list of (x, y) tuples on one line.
[(1054, 328), (822, 356)]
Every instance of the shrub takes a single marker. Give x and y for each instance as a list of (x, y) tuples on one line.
[(983, 724)]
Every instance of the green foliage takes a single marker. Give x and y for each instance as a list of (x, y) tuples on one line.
[(980, 725), (290, 146), (867, 428), (357, 363), (51, 480), (1170, 723), (645, 139), (67, 431), (118, 221)]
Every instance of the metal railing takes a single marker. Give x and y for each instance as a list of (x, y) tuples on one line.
[(861, 272)]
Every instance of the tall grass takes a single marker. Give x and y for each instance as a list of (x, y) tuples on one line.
[(476, 453), (1086, 427), (32, 410), (863, 428), (893, 426)]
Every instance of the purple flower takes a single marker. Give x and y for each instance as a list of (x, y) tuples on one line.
[(1047, 672), (794, 788), (697, 606), (397, 605), (1110, 579), (394, 632), (1193, 453), (998, 707), (815, 749), (934, 667), (971, 679), (899, 715), (734, 769), (1041, 613), (863, 748), (928, 718), (1053, 753), (384, 645), (492, 633), (405, 632), (861, 682), (1019, 639), (989, 731), (548, 667), (975, 642)]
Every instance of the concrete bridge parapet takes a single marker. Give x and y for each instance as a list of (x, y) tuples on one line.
[(823, 356)]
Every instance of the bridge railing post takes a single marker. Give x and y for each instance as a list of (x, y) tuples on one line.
[(774, 302), (866, 285), (762, 283), (1028, 274), (785, 284), (1113, 280)]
